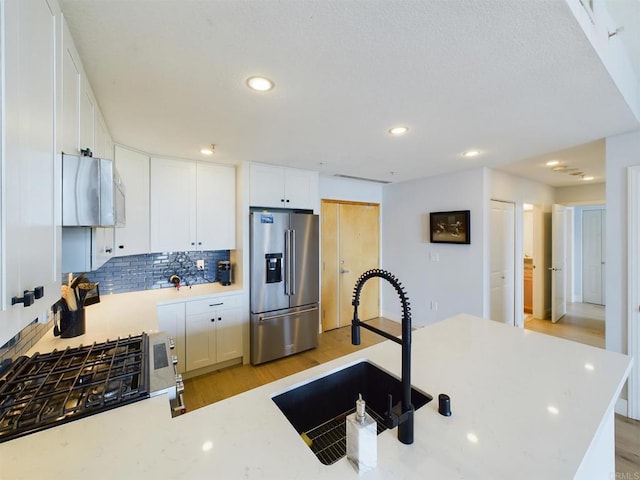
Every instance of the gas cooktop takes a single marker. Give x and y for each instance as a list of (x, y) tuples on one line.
[(46, 390)]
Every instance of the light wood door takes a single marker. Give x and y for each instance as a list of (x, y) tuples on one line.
[(350, 247)]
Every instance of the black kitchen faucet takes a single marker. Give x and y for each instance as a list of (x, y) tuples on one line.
[(402, 414)]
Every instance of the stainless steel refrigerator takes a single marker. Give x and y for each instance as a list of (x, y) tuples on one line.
[(284, 284)]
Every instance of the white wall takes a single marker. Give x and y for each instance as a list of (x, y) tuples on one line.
[(622, 151), (456, 280), (527, 233), (587, 194), (337, 188)]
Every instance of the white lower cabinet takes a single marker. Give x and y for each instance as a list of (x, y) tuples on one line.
[(206, 330), (213, 331)]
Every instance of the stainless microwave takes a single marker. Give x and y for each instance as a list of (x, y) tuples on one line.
[(92, 193)]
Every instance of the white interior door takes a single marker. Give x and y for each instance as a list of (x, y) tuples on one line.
[(593, 265), (502, 245), (558, 263)]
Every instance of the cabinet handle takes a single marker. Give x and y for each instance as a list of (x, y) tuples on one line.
[(216, 304), (199, 243), (193, 243), (38, 292), (27, 299), (121, 247), (287, 200), (282, 199), (213, 319), (219, 319), (108, 250)]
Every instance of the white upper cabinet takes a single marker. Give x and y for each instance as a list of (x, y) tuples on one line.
[(28, 208), (71, 75), (216, 207), (192, 206), (82, 124), (87, 118), (133, 238), (173, 205), (281, 187)]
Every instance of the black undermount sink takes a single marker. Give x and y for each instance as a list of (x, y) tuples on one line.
[(317, 410)]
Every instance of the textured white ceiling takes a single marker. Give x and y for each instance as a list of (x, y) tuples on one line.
[(514, 79)]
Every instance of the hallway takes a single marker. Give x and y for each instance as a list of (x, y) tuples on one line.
[(583, 323)]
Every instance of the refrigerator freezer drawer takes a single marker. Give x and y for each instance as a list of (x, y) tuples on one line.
[(282, 333)]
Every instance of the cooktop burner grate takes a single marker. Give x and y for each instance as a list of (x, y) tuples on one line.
[(49, 389)]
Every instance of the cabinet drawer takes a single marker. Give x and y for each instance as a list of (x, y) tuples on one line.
[(197, 307)]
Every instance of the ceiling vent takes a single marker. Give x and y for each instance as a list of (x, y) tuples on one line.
[(362, 178)]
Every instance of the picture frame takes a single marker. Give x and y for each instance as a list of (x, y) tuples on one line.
[(450, 227)]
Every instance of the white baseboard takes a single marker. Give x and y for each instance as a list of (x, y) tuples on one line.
[(390, 316), (621, 407)]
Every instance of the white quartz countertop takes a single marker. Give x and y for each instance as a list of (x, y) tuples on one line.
[(530, 403), (129, 313)]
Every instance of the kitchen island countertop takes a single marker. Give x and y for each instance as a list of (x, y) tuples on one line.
[(525, 405)]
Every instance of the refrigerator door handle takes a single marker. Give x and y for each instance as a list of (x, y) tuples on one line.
[(292, 253), (287, 262), (265, 318)]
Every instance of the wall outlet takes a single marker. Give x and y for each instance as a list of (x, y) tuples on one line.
[(200, 264), (434, 257), (434, 305)]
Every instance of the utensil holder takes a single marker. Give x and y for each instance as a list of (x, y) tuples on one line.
[(72, 323)]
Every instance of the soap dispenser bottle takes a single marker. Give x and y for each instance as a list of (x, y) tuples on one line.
[(362, 439)]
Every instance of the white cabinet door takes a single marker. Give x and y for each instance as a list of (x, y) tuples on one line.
[(133, 238), (213, 331), (103, 144), (70, 95), (103, 246), (280, 187), (29, 163), (201, 340), (173, 205), (87, 117), (301, 188), (10, 171), (171, 319), (216, 207), (266, 186), (228, 334)]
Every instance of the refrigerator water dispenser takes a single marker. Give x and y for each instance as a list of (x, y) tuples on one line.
[(273, 267)]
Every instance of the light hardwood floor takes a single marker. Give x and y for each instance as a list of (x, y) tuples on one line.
[(216, 386), (584, 323)]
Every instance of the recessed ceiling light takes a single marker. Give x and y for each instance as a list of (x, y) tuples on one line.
[(397, 131), (559, 168), (552, 163), (260, 84), (208, 150), (577, 174), (588, 178), (553, 410), (471, 153)]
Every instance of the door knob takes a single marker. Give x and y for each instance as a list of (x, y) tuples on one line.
[(342, 270)]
